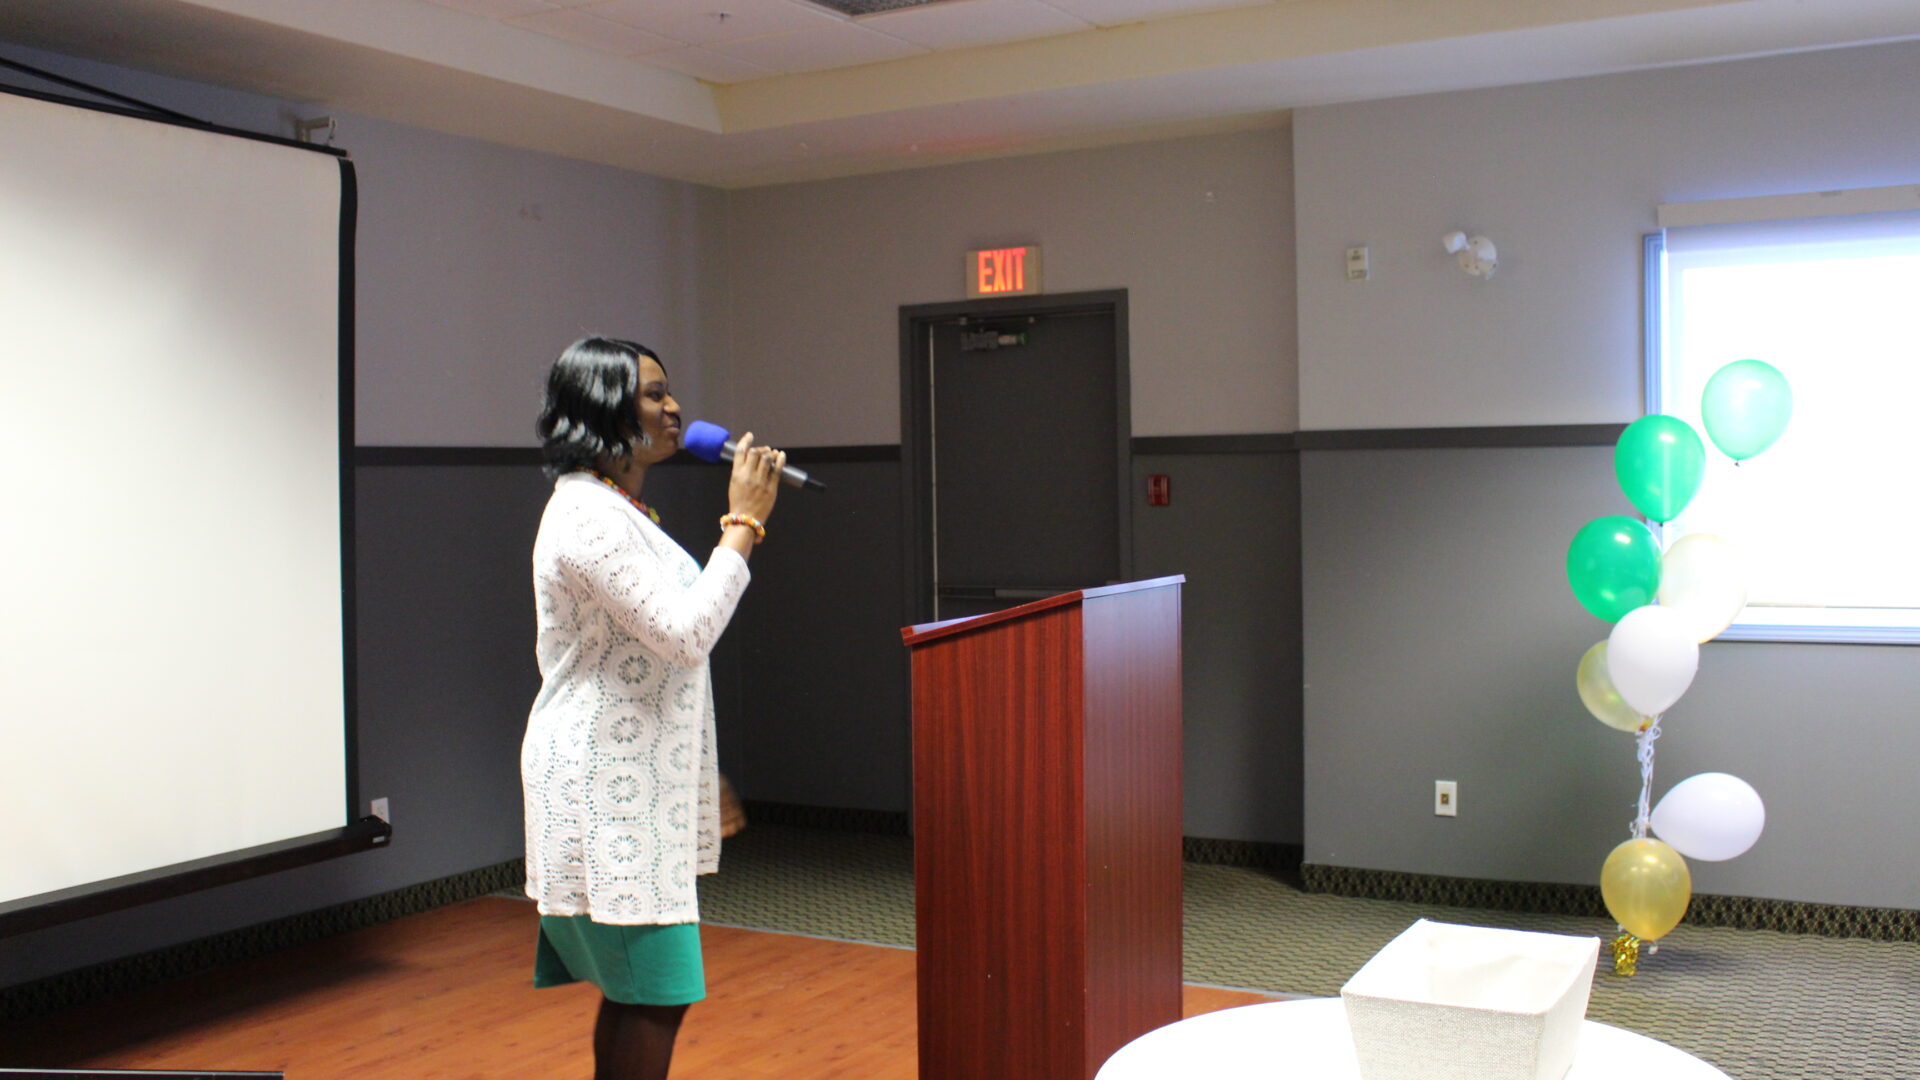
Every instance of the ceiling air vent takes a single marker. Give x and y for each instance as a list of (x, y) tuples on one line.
[(869, 7)]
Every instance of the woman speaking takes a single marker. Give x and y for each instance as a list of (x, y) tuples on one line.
[(618, 763)]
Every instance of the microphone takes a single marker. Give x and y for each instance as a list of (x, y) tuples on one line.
[(711, 442)]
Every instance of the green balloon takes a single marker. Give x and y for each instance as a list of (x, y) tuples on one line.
[(1659, 461), (1614, 566), (1746, 407)]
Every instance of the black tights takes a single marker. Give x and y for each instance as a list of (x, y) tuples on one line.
[(634, 1042)]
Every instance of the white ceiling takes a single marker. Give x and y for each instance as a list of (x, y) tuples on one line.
[(731, 41), (783, 90)]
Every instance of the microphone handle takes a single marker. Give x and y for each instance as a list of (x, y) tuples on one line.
[(789, 475)]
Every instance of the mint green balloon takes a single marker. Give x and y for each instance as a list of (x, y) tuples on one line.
[(1659, 461), (1614, 566), (1746, 407)]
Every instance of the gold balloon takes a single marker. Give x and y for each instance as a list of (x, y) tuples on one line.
[(1599, 696), (1646, 886)]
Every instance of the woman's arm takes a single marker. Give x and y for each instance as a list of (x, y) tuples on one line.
[(604, 555)]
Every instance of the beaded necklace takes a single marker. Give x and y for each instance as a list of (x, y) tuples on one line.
[(652, 515)]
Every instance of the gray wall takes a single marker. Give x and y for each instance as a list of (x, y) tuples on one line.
[(811, 675), (1441, 637), (1437, 631), (1564, 178), (823, 719), (477, 264), (1233, 528), (1196, 230)]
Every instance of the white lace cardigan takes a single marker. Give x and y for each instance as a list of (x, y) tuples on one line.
[(618, 769)]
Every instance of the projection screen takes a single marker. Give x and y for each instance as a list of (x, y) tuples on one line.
[(174, 436)]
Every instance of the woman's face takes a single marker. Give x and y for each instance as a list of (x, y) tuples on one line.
[(659, 414)]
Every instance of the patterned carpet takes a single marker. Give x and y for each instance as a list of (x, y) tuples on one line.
[(1759, 1005)]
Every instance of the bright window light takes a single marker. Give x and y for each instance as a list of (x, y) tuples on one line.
[(1827, 516)]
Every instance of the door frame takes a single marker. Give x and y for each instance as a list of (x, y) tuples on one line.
[(916, 408)]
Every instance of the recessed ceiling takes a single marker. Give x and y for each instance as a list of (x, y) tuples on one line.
[(733, 41), (783, 90)]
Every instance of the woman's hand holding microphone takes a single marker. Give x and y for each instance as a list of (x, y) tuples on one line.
[(751, 491)]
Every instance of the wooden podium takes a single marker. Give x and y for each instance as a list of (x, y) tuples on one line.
[(1047, 813)]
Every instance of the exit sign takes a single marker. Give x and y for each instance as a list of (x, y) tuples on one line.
[(1003, 272)]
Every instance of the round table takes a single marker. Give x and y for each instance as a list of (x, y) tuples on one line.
[(1296, 1040)]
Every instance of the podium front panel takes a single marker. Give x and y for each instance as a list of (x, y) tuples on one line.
[(998, 851), (1047, 833)]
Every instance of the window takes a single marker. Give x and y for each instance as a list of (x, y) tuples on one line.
[(1828, 516)]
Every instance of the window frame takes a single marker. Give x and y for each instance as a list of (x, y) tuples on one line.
[(1781, 627)]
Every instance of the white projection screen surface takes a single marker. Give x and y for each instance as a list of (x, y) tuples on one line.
[(173, 681)]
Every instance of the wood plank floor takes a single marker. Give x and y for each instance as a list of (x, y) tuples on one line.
[(448, 994)]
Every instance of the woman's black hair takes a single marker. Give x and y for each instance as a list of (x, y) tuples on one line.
[(589, 413)]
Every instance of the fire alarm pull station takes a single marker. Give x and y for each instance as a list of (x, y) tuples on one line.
[(1159, 490)]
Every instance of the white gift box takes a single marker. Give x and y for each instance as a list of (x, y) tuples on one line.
[(1447, 1002)]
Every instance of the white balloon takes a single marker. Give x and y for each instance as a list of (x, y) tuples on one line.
[(1710, 817), (1703, 577), (1652, 656)]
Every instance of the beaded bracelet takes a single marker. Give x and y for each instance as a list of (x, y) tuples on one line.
[(751, 522)]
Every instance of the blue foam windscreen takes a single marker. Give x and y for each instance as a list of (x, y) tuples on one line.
[(703, 440)]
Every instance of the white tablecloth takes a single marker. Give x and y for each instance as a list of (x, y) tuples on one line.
[(1309, 1040)]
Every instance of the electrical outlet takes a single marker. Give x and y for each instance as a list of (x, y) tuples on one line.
[(1358, 264), (1446, 798), (380, 810)]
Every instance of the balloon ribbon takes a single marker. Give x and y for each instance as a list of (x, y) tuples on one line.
[(1626, 947), (1645, 753), (1626, 954)]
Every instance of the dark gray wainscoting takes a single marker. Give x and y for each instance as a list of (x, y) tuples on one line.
[(822, 718), (812, 678), (824, 675), (1232, 527), (1442, 640), (446, 655), (1441, 644)]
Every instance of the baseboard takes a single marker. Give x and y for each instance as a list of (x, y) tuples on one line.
[(837, 818), (1281, 859), (1740, 912), (178, 961)]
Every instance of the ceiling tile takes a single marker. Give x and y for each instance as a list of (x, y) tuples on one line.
[(697, 22), (497, 9), (834, 45), (1121, 12), (962, 24), (707, 64), (594, 31)]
